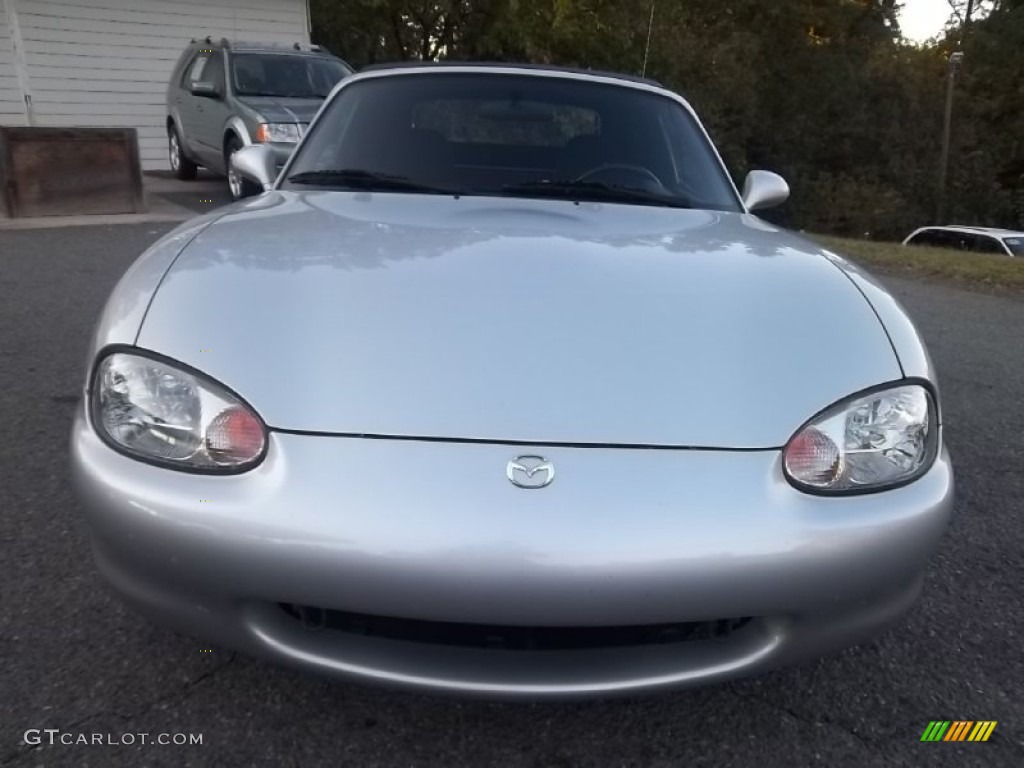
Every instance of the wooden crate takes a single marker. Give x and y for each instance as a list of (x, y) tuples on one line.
[(70, 171)]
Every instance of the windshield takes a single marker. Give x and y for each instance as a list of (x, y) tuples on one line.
[(513, 135), (1016, 245), (284, 75)]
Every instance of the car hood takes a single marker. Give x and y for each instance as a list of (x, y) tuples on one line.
[(283, 110), (517, 320)]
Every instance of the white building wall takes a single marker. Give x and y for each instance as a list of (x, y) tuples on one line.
[(12, 101)]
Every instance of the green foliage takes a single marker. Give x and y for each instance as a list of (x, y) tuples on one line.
[(982, 270), (823, 91)]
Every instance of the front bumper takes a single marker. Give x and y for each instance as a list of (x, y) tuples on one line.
[(434, 532)]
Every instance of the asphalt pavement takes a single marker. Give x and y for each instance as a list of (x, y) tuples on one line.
[(74, 659)]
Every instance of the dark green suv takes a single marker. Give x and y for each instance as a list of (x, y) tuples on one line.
[(223, 96)]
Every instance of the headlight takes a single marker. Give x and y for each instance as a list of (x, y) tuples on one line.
[(285, 133), (875, 441), (154, 411)]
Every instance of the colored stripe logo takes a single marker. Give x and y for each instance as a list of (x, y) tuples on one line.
[(958, 730)]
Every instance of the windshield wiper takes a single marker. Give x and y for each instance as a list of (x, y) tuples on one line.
[(355, 178), (591, 191)]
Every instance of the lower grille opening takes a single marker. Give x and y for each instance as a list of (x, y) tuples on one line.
[(511, 638)]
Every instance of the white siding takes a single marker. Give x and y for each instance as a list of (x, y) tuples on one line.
[(12, 101), (107, 62)]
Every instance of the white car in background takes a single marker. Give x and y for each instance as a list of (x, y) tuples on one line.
[(1005, 242)]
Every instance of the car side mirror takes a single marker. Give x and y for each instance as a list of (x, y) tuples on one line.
[(256, 163), (205, 88), (764, 189)]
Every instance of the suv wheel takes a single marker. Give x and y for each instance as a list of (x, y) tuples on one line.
[(182, 167), (240, 187)]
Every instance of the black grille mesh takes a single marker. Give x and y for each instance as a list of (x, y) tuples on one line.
[(511, 638)]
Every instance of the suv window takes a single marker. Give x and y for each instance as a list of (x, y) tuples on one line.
[(214, 71), (933, 239), (1016, 245), (284, 75), (984, 244), (194, 72), (977, 243)]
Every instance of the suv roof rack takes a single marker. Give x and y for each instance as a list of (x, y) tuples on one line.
[(255, 45), (208, 40)]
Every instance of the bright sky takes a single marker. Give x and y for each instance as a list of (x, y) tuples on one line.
[(921, 19)]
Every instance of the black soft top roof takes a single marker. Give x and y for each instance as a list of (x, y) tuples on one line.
[(509, 65)]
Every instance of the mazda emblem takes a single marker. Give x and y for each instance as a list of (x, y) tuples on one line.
[(530, 472)]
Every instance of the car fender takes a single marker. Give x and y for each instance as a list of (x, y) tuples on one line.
[(129, 300), (906, 340), (174, 116), (236, 125)]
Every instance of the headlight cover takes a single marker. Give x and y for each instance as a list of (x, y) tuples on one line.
[(161, 413), (870, 442), (284, 133)]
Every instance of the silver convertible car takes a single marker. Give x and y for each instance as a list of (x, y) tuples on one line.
[(501, 388)]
